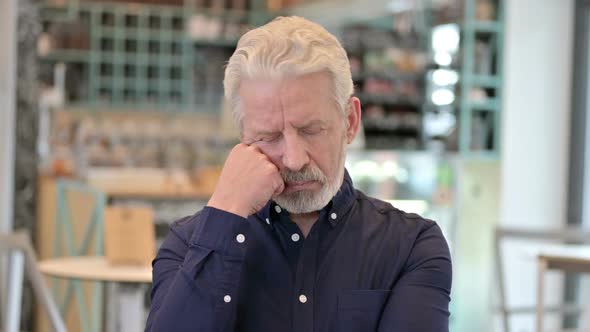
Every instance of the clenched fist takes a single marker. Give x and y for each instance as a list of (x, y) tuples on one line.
[(247, 182)]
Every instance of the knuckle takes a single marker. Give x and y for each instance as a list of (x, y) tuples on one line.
[(236, 150)]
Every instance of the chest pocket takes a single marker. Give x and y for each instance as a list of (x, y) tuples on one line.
[(360, 310)]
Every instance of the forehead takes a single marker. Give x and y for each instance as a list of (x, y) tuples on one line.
[(266, 101)]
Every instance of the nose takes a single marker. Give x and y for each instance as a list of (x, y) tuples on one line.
[(295, 156)]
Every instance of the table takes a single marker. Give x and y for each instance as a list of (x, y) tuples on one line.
[(96, 268), (567, 258)]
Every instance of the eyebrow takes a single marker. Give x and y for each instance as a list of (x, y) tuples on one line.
[(311, 123)]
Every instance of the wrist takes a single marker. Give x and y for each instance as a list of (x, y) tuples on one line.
[(228, 206)]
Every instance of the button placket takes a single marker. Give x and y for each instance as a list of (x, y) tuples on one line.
[(303, 310)]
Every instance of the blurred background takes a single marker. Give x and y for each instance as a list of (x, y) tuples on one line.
[(475, 114)]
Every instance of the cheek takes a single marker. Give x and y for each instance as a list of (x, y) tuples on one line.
[(326, 154)]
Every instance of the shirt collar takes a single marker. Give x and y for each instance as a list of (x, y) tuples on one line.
[(333, 212)]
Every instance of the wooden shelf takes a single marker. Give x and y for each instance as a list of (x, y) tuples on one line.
[(487, 27), (391, 100), (65, 55), (153, 183), (491, 105), (196, 194), (371, 129), (486, 81), (388, 75)]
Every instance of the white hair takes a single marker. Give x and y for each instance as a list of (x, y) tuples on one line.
[(288, 47)]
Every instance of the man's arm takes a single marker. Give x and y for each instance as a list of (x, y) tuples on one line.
[(195, 279), (197, 270), (420, 299)]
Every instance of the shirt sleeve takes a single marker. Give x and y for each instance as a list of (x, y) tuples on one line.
[(196, 275), (420, 299)]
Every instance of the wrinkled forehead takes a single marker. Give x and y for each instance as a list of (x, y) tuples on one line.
[(307, 96)]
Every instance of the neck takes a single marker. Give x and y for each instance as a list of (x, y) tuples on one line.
[(305, 221)]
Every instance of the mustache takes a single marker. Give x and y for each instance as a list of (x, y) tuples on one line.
[(308, 173)]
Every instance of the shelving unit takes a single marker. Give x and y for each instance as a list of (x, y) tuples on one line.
[(389, 68), (138, 55), (465, 116), (481, 112)]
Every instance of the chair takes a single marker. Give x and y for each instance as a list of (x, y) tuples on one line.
[(79, 233), (571, 235), (22, 261)]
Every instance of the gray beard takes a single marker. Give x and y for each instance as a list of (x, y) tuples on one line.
[(306, 201)]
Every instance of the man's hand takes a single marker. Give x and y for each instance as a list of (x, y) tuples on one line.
[(248, 180)]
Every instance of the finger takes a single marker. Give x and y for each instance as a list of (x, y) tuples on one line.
[(253, 147), (279, 186), (240, 146)]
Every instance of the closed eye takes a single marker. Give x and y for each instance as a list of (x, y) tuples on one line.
[(269, 138), (311, 130)]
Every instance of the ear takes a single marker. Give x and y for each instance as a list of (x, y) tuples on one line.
[(353, 118)]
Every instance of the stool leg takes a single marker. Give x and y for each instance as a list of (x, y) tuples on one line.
[(585, 320), (501, 285), (112, 307), (15, 291), (131, 299), (542, 267)]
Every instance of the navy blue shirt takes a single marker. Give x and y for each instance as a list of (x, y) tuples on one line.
[(364, 266)]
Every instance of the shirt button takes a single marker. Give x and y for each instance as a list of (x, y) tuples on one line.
[(227, 299), (302, 298), (267, 221), (295, 237), (240, 238), (278, 209), (333, 215)]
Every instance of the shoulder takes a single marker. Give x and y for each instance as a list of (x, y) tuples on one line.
[(411, 235), (410, 244), (377, 211)]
